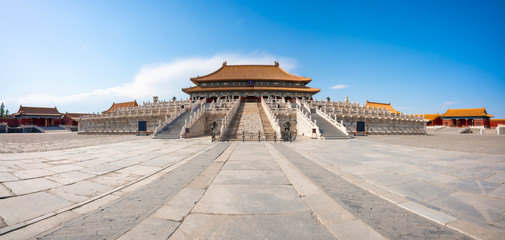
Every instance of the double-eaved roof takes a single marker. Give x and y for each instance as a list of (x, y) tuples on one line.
[(467, 112), (250, 78), (250, 72)]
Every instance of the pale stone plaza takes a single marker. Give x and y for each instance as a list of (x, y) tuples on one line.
[(143, 188)]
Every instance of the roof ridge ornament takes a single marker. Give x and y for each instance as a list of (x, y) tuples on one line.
[(224, 63), (276, 63)]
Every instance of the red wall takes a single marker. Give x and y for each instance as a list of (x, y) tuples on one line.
[(41, 122), (12, 122), (494, 123), (68, 121), (437, 122), (465, 123), (448, 123)]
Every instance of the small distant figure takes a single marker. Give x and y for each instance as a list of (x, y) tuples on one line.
[(213, 125), (287, 131)]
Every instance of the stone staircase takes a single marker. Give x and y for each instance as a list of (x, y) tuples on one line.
[(328, 130), (268, 131), (173, 130), (247, 121)]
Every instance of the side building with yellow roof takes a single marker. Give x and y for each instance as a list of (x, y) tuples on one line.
[(378, 105), (433, 119), (466, 117), (121, 105)]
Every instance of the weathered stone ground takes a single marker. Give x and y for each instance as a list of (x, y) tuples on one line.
[(470, 143), (143, 188), (59, 140)]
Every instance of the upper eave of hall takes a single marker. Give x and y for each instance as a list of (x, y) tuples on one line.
[(250, 72)]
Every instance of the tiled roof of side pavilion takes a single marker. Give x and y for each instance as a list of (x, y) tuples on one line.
[(431, 117), (250, 72), (37, 111), (116, 106), (75, 116), (381, 105), (466, 112)]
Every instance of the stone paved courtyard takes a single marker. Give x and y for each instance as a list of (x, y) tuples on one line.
[(143, 188)]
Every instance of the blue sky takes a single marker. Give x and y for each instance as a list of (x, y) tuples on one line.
[(421, 56)]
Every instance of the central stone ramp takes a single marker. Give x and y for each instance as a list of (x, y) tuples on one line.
[(251, 198), (247, 121)]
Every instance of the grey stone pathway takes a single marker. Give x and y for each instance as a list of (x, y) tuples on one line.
[(464, 191), (251, 198), (194, 189), (60, 185), (388, 219), (114, 220)]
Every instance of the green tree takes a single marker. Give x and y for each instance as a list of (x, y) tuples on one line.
[(2, 110), (6, 113)]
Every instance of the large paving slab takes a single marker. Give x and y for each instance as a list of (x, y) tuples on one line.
[(250, 199), (17, 209), (251, 165), (30, 185), (251, 177), (80, 191), (287, 226)]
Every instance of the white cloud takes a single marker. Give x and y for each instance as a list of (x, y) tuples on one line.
[(84, 45), (164, 80), (449, 103), (339, 86)]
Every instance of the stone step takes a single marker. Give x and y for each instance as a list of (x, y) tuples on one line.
[(267, 127), (328, 130)]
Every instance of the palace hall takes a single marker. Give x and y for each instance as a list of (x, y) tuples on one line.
[(250, 83), (466, 117)]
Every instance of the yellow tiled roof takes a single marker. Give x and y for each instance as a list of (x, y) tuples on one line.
[(381, 105), (75, 116), (467, 112), (430, 117), (250, 72), (42, 111), (116, 106)]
